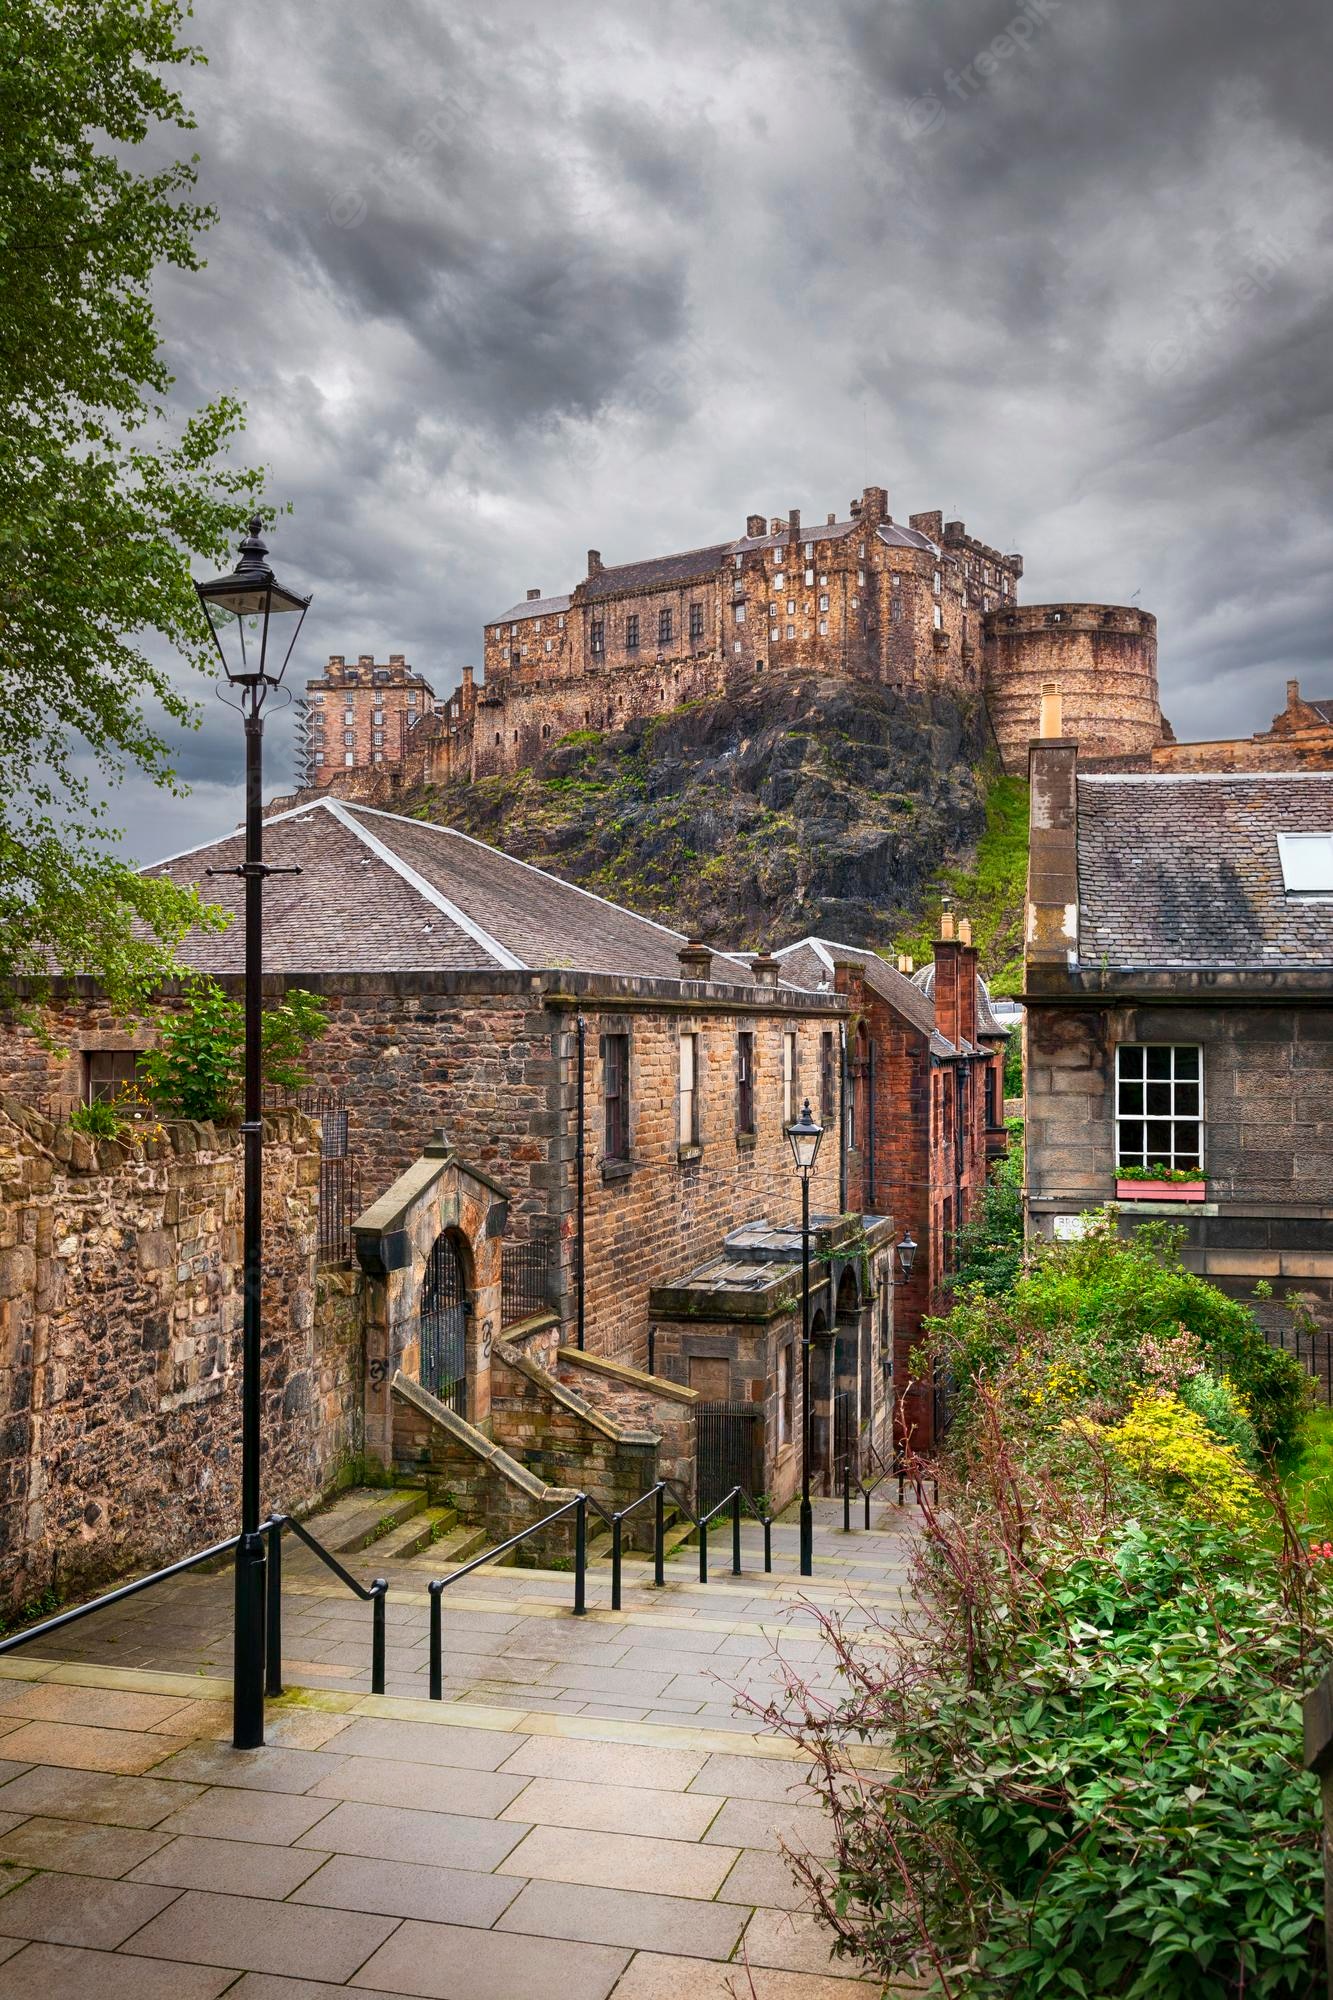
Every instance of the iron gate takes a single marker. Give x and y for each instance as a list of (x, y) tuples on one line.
[(443, 1326), (729, 1451), (844, 1435)]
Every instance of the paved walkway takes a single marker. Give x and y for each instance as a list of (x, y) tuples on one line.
[(584, 1814)]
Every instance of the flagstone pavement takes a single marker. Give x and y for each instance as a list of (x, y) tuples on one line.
[(585, 1814)]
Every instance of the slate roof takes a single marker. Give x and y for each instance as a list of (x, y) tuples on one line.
[(532, 607), (379, 892), (924, 981), (1178, 870), (1323, 707), (812, 959), (686, 567), (899, 537)]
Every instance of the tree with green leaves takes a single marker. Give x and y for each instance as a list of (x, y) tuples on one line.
[(105, 495)]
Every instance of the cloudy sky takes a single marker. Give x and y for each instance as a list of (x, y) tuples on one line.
[(499, 284)]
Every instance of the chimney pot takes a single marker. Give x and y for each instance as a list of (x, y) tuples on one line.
[(856, 510), (695, 958), (754, 525), (765, 968), (1052, 719), (534, 593), (965, 930), (946, 925)]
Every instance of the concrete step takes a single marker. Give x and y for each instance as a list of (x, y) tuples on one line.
[(422, 1531), (377, 1519), (457, 1545)]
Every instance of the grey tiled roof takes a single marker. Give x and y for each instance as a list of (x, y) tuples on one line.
[(1176, 870), (899, 537), (1322, 707), (689, 565), (924, 980), (379, 892), (806, 963), (532, 607)]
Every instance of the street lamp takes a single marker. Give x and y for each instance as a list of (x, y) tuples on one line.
[(254, 621), (805, 1136), (907, 1250)]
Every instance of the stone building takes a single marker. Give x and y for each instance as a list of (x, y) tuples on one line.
[(1300, 739), (1103, 658), (359, 718), (1179, 1011), (621, 1091), (923, 1115)]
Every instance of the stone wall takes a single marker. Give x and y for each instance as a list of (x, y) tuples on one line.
[(120, 1328), (1103, 658)]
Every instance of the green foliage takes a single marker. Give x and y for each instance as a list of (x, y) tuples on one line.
[(989, 1248), (1110, 1295), (1213, 1398), (1307, 1474), (991, 893), (1159, 1174), (98, 1120), (104, 496), (197, 1069), (1013, 1063)]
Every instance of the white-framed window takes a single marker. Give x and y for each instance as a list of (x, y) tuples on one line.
[(411, 697), (349, 757), (319, 756), (791, 607), (779, 580), (809, 550), (788, 1076), (317, 697), (897, 578), (739, 561), (689, 1098), (550, 645), (791, 631), (823, 603), (378, 718), (809, 578), (740, 614), (774, 636), (939, 583), (377, 736), (939, 618), (737, 648), (862, 551), (377, 756), (1307, 863), (822, 582), (1159, 1104), (860, 579), (823, 628), (349, 715), (537, 625), (349, 736)]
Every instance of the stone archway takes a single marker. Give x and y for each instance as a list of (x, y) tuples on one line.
[(439, 1196), (442, 1316)]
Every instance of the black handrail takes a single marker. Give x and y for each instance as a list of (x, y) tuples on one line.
[(373, 1594), (578, 1506), (735, 1499), (117, 1596)]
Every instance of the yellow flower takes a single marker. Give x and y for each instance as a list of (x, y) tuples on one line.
[(1172, 1449)]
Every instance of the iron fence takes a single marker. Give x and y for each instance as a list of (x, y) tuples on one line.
[(1311, 1345), (339, 1205), (525, 1276), (728, 1451), (845, 1455), (328, 1108)]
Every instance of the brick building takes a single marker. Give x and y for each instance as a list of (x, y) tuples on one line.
[(623, 1088), (1179, 1012), (357, 718), (922, 1110)]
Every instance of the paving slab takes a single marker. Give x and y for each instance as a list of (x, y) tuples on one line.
[(641, 1921), (275, 1817), (268, 1770), (394, 1833), (409, 1889), (76, 1847), (621, 1861), (431, 1787), (76, 1746), (447, 1962), (77, 1909), (654, 1977), (63, 1972), (604, 1763), (612, 1808), (764, 1823), (424, 1743), (230, 1867), (113, 1801), (252, 1935)]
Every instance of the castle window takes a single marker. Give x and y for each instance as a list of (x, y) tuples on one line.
[(664, 628), (537, 625), (897, 579), (823, 628), (696, 621), (809, 578), (860, 576), (546, 729), (745, 1082), (740, 618), (632, 633), (597, 634), (895, 609), (791, 606), (560, 623), (822, 582), (550, 645), (497, 739), (985, 604), (615, 1096), (791, 631), (862, 551), (349, 758), (349, 715), (856, 604), (737, 649), (513, 657), (778, 581), (523, 652), (937, 583), (378, 717), (739, 561), (377, 736), (809, 550), (377, 756), (939, 618), (823, 604), (411, 697)]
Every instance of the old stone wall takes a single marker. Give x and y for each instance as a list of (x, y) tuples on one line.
[(1268, 1143), (1103, 657), (120, 1326)]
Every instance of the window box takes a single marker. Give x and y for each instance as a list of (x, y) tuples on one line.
[(1137, 1190)]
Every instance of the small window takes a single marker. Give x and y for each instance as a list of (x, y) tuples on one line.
[(938, 583), (823, 603), (739, 560), (895, 609), (823, 628), (828, 1096), (377, 736), (860, 578), (664, 628), (597, 634), (349, 736), (349, 715), (497, 739), (550, 645), (791, 606), (788, 1077), (779, 580), (737, 648), (786, 1394), (809, 550), (378, 717), (897, 578), (856, 604), (791, 631), (349, 758), (689, 1102), (822, 582), (1307, 863), (411, 697), (106, 1072), (939, 618), (377, 756), (697, 620), (632, 633), (740, 618), (745, 1082), (319, 756), (1159, 1105), (615, 1096)]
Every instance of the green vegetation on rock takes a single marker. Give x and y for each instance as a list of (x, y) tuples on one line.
[(990, 892)]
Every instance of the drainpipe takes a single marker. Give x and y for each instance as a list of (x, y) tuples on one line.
[(842, 1121), (582, 1027), (870, 1125)]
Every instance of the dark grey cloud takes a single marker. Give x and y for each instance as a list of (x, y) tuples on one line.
[(500, 288)]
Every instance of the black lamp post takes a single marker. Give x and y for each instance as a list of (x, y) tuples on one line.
[(805, 1136), (250, 615)]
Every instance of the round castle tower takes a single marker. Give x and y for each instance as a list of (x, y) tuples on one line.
[(1103, 657)]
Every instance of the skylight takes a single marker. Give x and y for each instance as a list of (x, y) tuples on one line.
[(1307, 863)]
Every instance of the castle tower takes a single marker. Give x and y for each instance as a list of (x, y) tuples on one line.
[(1103, 657)]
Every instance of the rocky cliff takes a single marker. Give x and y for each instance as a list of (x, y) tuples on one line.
[(803, 803)]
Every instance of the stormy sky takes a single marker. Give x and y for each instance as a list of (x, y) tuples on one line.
[(502, 284)]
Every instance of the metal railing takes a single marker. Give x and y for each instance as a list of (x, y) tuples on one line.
[(272, 1530), (524, 1280), (339, 1205)]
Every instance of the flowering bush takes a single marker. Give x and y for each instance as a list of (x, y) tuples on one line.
[(1171, 1448)]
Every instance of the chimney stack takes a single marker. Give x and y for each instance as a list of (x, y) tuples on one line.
[(794, 524), (832, 520), (1051, 921), (765, 968), (696, 959), (1051, 724), (534, 593), (754, 526), (964, 930), (968, 956), (594, 561), (778, 525), (946, 925), (1293, 693), (948, 953)]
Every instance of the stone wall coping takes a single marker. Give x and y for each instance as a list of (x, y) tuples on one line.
[(475, 1441), (180, 1138), (636, 1378), (385, 1214), (1048, 985), (569, 1399)]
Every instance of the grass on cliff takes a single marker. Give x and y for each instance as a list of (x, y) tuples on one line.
[(991, 893)]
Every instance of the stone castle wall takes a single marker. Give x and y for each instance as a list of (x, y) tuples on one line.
[(1103, 659), (120, 1329)]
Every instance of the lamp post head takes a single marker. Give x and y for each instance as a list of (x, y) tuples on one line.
[(805, 1135), (241, 607), (907, 1250)]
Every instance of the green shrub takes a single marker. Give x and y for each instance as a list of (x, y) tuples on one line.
[(197, 1069), (1213, 1398), (98, 1120), (989, 1247)]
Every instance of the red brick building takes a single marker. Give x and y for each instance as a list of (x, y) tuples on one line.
[(922, 1110)]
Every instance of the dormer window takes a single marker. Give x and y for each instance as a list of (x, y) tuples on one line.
[(1307, 863)]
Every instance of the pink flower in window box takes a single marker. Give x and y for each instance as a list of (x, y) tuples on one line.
[(1159, 1184)]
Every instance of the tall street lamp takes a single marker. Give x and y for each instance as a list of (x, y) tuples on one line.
[(805, 1136), (254, 621)]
